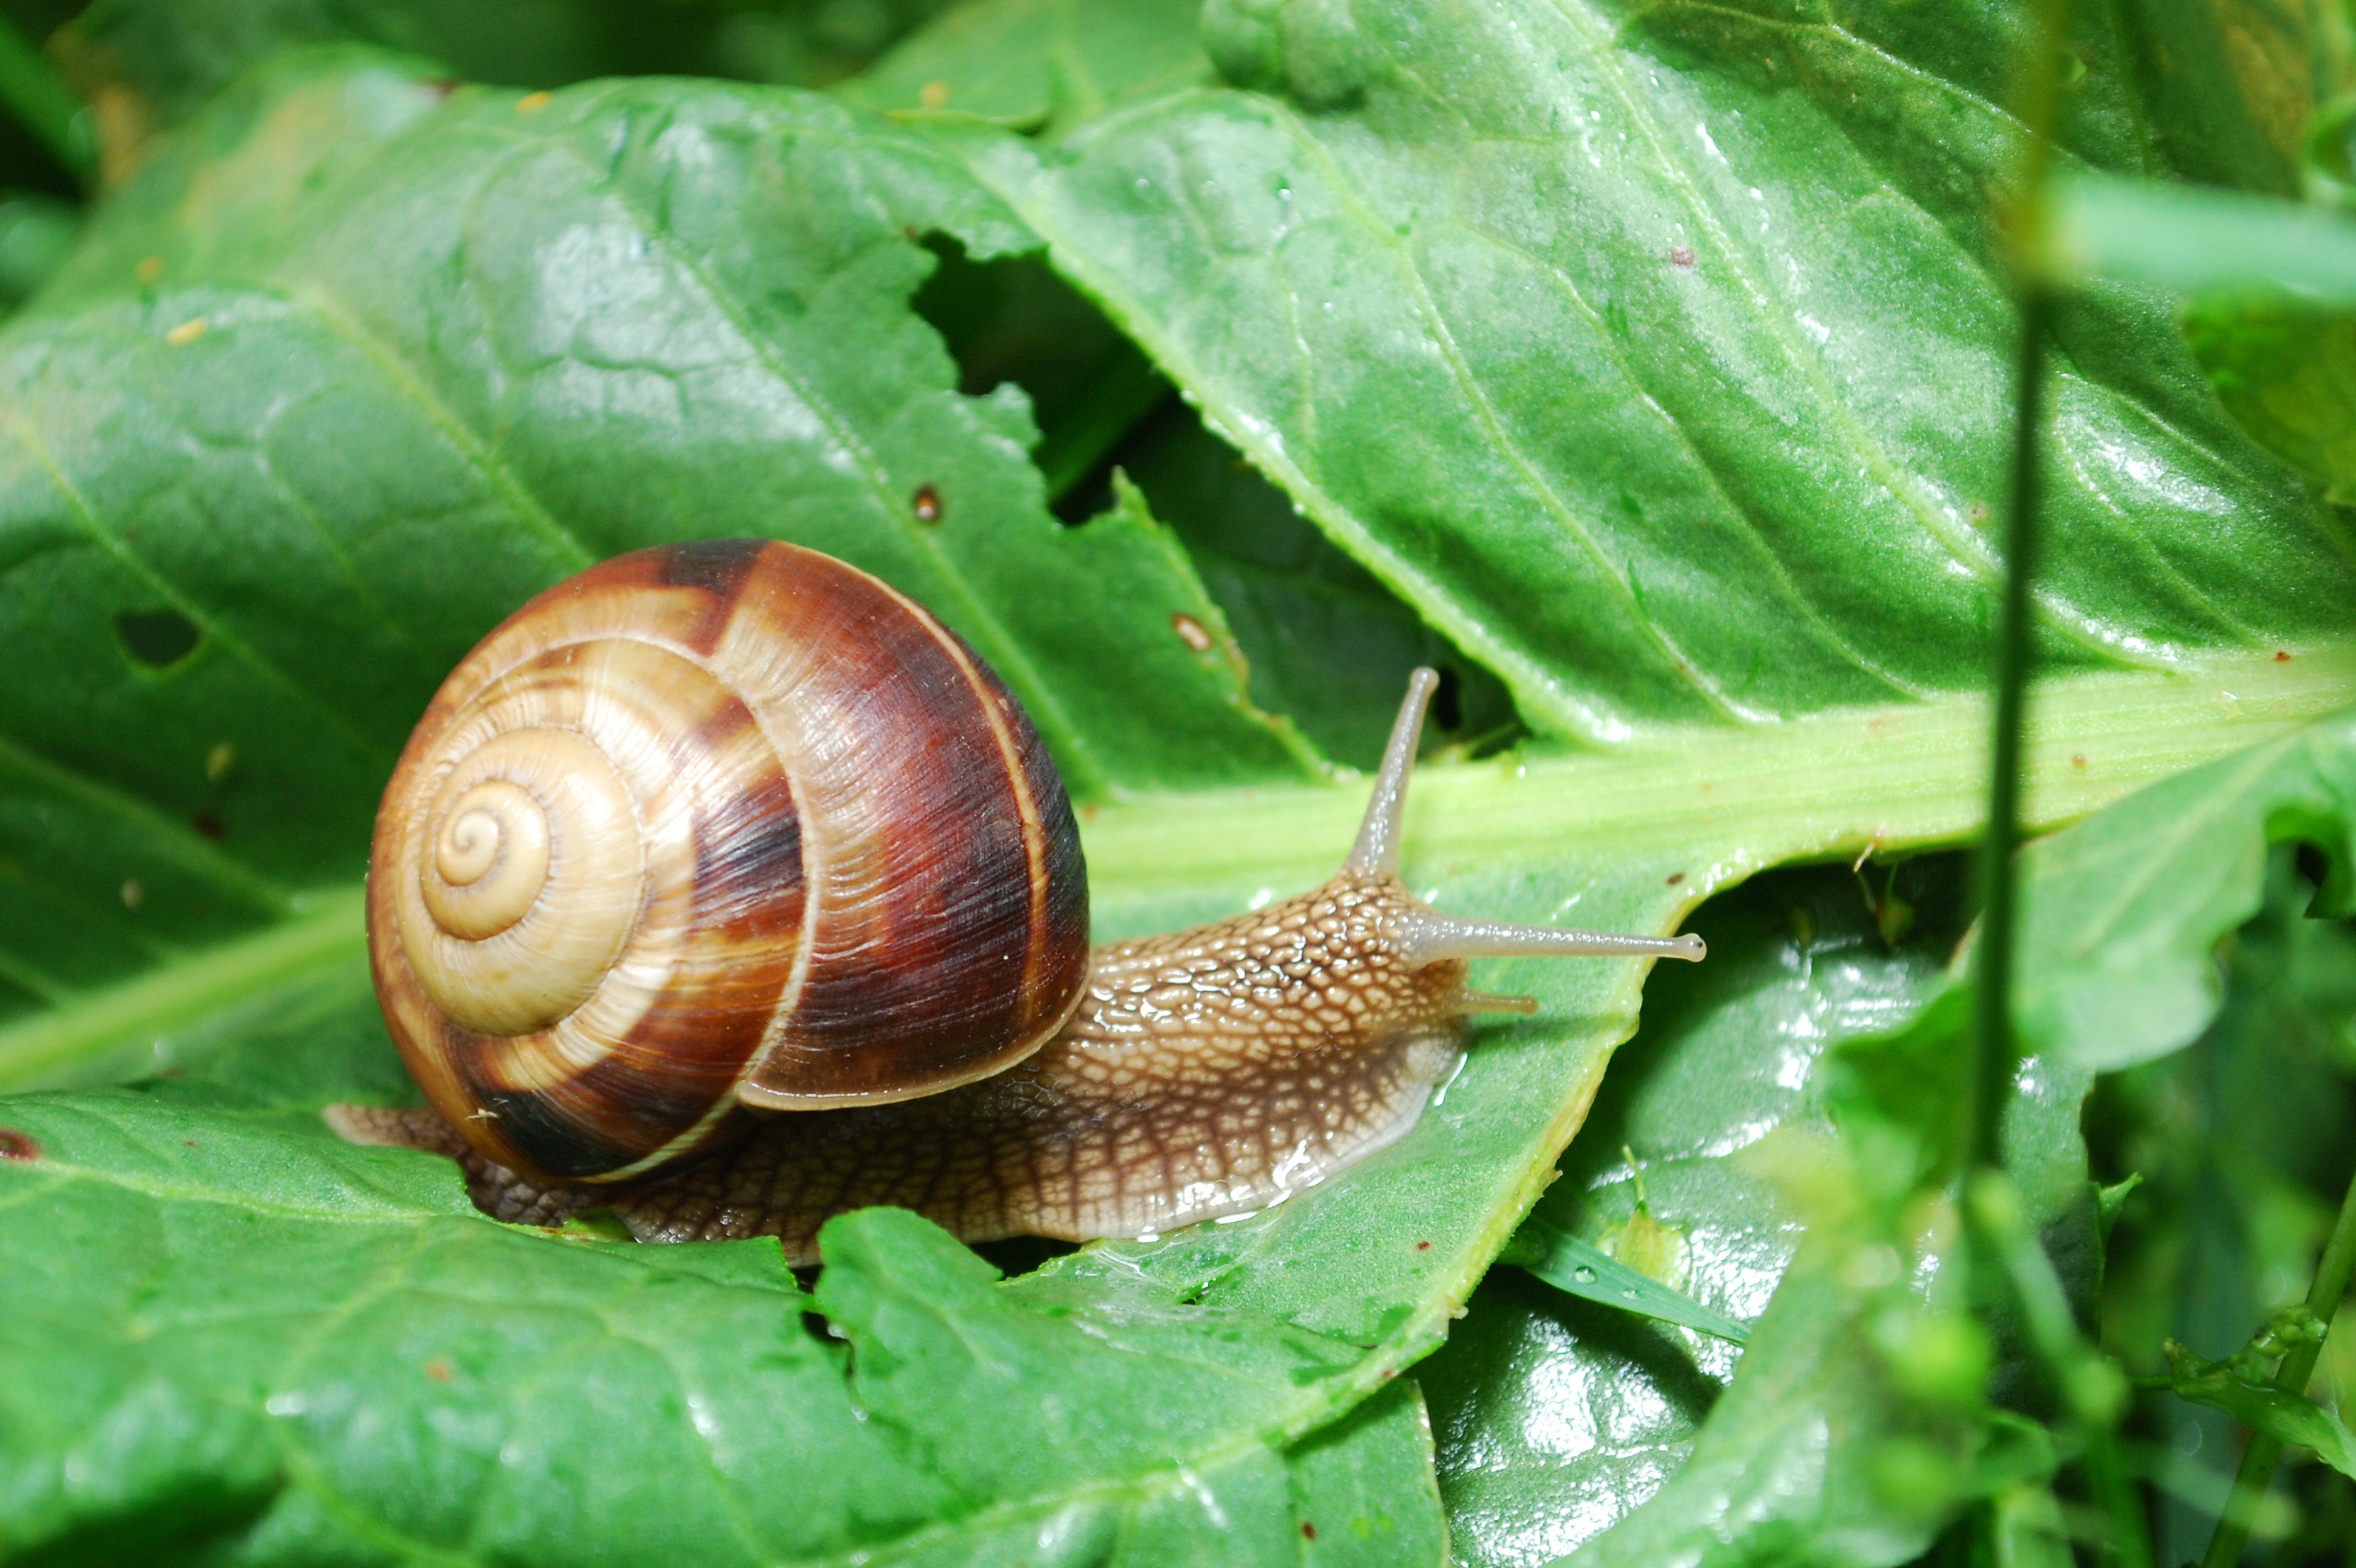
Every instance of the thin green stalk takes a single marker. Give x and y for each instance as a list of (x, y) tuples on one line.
[(42, 103), (2258, 1461), (2091, 1389), (1994, 1057), (2004, 1259)]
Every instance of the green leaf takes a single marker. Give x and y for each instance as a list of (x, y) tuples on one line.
[(1038, 65), (467, 397), (323, 1351), (1570, 1264), (2291, 1419), (1364, 1489), (1659, 358), (1820, 1360), (2287, 370), (381, 331), (2118, 941), (1556, 1419)]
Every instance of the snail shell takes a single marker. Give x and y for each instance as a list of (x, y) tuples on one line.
[(712, 823)]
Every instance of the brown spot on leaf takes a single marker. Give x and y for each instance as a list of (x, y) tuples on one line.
[(934, 95), (928, 505), (1681, 257), (438, 1369), (1308, 1530), (133, 895), (2079, 762), (1190, 631), (211, 827), (1675, 877), (14, 1145), (2282, 656), (1424, 1246)]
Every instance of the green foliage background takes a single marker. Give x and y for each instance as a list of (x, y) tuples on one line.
[(1646, 367)]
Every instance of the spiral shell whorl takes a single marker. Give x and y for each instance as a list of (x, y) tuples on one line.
[(710, 822), (529, 876)]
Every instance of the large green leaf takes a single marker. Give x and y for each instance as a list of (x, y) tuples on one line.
[(1661, 358), (1556, 1417), (420, 355), (321, 1352), (1039, 65), (355, 366), (1327, 646)]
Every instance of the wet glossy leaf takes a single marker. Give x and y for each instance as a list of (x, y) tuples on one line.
[(501, 337), (1557, 1418), (1607, 341), (2240, 1142)]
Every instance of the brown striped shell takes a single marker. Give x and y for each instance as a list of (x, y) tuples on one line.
[(719, 823)]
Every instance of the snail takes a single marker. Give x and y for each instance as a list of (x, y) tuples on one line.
[(725, 888)]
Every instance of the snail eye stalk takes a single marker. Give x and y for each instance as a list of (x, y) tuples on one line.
[(1428, 936)]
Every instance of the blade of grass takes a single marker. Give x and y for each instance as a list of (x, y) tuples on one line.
[(1571, 1265), (2189, 240)]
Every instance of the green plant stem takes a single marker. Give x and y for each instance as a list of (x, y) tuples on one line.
[(42, 103), (2265, 1453), (1994, 1056), (2091, 1389)]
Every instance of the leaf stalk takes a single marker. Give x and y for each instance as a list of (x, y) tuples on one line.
[(2260, 1459)]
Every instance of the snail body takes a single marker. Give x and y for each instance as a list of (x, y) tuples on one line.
[(864, 978)]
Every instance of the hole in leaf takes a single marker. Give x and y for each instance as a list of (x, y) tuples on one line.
[(156, 639), (1326, 643), (2313, 864), (1010, 320), (1447, 700)]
